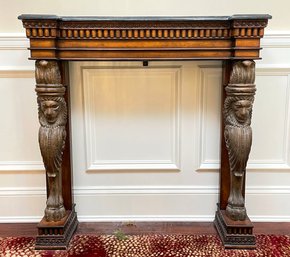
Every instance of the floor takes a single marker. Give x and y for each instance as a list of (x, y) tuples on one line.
[(29, 229)]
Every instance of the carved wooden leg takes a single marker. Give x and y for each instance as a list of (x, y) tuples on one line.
[(52, 112), (57, 226), (232, 223), (238, 133)]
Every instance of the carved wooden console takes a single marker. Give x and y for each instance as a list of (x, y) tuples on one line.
[(56, 40)]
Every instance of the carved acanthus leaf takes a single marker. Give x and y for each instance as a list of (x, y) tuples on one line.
[(47, 72), (243, 73)]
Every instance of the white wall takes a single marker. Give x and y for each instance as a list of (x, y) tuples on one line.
[(11, 9), (173, 175)]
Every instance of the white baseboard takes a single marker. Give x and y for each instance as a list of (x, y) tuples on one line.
[(146, 218), (270, 218), (20, 219), (133, 199)]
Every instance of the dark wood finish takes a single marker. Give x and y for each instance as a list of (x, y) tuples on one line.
[(58, 224), (145, 38), (230, 38), (52, 113), (108, 228), (67, 173), (234, 234), (231, 220), (238, 132), (225, 166), (56, 235)]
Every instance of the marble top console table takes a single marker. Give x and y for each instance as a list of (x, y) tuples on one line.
[(55, 40)]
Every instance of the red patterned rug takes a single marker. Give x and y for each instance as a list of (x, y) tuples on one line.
[(147, 246)]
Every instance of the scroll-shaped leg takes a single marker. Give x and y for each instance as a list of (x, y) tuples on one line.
[(238, 133), (52, 111)]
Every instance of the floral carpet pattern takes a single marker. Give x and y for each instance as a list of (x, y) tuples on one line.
[(147, 246)]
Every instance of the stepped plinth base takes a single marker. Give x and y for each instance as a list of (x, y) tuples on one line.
[(56, 235), (234, 234)]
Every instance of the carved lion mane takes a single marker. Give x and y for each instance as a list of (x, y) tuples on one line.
[(230, 117), (62, 112)]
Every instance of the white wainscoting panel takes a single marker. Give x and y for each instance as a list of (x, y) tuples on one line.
[(131, 118), (134, 124), (270, 121), (19, 150), (268, 152), (210, 117)]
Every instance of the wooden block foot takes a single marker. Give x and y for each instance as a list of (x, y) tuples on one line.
[(56, 235), (234, 234)]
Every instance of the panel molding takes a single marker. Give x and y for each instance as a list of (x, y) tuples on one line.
[(21, 166), (278, 39), (253, 165), (107, 165), (94, 190), (13, 41), (16, 72), (132, 165), (143, 190), (285, 163), (22, 191), (19, 72), (205, 73)]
